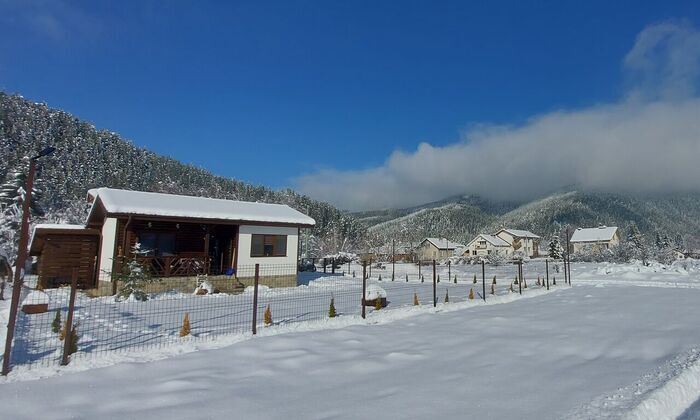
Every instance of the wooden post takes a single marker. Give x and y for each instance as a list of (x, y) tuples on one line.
[(434, 286), (69, 318), (546, 267), (364, 286), (483, 279), (255, 299)]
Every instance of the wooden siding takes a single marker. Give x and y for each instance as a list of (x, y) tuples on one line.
[(61, 253)]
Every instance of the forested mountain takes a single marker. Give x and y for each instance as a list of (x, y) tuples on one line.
[(676, 216), (86, 157)]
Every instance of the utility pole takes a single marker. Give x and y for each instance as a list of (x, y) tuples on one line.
[(21, 259)]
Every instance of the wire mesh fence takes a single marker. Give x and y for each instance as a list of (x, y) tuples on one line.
[(176, 310)]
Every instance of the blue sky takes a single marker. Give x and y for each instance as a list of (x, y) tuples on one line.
[(268, 91)]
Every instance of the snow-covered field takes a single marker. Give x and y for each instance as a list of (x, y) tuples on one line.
[(605, 348)]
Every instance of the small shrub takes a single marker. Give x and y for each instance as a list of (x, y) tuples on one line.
[(422, 279), (406, 277), (511, 288), (73, 339), (438, 278), (447, 296), (471, 294), (378, 303), (455, 279), (493, 289), (494, 280), (39, 285), (516, 280), (524, 284), (380, 277), (554, 281), (185, 330), (474, 279), (415, 299), (56, 324), (268, 316), (331, 309)]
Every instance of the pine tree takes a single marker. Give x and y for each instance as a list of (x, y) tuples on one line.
[(447, 296), (455, 279), (493, 289), (73, 340), (474, 279), (471, 294), (555, 249), (554, 281), (185, 330), (331, 309), (511, 288), (134, 277), (406, 277), (494, 280), (415, 299), (56, 324), (378, 303), (438, 278), (516, 280), (422, 279), (268, 316), (524, 284)]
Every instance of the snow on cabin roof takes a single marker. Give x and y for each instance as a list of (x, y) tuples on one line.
[(444, 243), (172, 205), (494, 240), (520, 233), (602, 233)]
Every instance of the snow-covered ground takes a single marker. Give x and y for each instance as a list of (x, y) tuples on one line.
[(605, 348)]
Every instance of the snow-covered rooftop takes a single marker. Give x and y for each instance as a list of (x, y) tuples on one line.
[(172, 205), (494, 240), (520, 233), (602, 233), (444, 243)]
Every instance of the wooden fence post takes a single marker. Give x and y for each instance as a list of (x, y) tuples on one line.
[(255, 296), (67, 339)]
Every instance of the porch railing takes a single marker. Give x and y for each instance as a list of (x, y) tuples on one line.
[(177, 265)]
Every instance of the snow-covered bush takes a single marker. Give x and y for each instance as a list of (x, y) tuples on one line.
[(134, 277)]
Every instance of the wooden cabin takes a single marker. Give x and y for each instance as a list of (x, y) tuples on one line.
[(174, 237)]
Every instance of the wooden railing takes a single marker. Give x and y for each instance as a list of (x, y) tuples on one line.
[(177, 265)]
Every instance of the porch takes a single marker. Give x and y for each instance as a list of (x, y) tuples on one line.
[(175, 248)]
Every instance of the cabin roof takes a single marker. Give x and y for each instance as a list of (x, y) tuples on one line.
[(125, 202)]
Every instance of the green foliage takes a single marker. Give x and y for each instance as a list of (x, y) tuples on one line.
[(378, 303), (331, 309), (185, 330), (56, 324), (268, 316), (134, 277), (73, 339)]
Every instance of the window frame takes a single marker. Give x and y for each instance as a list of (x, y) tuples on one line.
[(268, 240)]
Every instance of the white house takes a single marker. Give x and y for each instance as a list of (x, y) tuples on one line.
[(179, 237), (522, 241), (437, 248), (485, 244), (602, 237)]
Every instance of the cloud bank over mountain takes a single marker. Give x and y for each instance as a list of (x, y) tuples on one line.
[(646, 142)]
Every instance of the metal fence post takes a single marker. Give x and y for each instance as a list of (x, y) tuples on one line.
[(393, 259), (449, 271), (255, 296), (434, 286), (333, 265), (324, 265), (520, 277), (483, 279), (69, 318), (546, 267), (364, 286), (419, 273)]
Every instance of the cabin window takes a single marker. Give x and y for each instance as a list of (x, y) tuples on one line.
[(159, 244), (268, 246)]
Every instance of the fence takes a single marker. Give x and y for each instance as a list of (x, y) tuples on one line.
[(173, 315)]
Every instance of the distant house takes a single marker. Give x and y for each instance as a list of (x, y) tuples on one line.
[(179, 236), (437, 248), (602, 237), (522, 241), (484, 245)]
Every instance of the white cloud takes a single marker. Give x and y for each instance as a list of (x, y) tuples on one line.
[(647, 142)]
